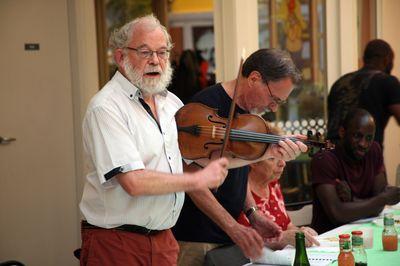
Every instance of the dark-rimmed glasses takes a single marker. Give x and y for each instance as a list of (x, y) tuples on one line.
[(274, 98), (147, 54)]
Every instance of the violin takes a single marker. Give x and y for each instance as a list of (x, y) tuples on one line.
[(201, 131)]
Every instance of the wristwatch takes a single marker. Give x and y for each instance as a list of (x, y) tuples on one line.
[(250, 211)]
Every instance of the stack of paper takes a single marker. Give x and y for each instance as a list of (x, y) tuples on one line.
[(316, 255)]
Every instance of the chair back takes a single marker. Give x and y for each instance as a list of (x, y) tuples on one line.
[(301, 216), (226, 255)]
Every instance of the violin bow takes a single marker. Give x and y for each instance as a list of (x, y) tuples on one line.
[(232, 109)]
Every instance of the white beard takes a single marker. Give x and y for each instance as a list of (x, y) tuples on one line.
[(148, 86), (260, 112)]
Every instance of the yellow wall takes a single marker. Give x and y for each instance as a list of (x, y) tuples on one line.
[(191, 6)]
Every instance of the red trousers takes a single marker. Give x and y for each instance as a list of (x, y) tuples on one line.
[(110, 247)]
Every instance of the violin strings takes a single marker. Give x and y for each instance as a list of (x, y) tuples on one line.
[(246, 134), (243, 135)]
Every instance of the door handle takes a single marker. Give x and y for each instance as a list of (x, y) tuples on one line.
[(6, 140)]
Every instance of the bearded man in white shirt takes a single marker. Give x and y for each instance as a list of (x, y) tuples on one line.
[(134, 187)]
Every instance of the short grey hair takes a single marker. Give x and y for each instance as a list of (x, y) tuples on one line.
[(121, 37), (273, 64)]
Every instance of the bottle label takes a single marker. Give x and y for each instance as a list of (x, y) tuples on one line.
[(357, 241), (345, 245), (388, 221)]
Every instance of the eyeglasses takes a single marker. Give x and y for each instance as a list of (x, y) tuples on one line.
[(147, 54), (276, 99)]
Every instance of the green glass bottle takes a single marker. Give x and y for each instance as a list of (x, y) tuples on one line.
[(300, 258)]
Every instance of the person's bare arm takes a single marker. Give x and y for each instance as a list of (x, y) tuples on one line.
[(263, 224), (309, 234), (380, 183), (343, 212), (392, 193), (289, 237), (149, 182), (249, 241), (345, 194)]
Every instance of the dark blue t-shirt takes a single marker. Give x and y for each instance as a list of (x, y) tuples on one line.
[(193, 225)]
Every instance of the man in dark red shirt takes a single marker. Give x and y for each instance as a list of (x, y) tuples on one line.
[(349, 182)]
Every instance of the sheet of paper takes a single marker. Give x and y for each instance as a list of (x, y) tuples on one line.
[(316, 256), (395, 207)]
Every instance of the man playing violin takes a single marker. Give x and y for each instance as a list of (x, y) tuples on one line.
[(208, 220), (133, 190), (349, 182)]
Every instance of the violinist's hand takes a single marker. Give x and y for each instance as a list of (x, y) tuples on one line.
[(213, 175), (248, 240), (286, 149), (266, 227)]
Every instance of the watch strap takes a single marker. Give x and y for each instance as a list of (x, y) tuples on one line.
[(250, 211)]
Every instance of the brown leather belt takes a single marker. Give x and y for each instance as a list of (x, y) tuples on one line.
[(125, 227)]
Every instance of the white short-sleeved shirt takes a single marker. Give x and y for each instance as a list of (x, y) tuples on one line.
[(119, 135)]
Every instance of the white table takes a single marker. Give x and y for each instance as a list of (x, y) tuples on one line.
[(328, 245)]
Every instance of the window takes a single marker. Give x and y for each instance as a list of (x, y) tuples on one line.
[(298, 26)]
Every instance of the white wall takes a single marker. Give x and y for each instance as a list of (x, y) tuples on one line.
[(235, 29), (388, 29), (84, 72), (341, 38)]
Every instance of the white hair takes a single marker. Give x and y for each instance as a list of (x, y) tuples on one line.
[(121, 37)]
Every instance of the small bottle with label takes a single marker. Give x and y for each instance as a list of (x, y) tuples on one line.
[(345, 257), (360, 256), (389, 233)]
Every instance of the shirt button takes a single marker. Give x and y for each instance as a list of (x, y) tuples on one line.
[(169, 158)]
